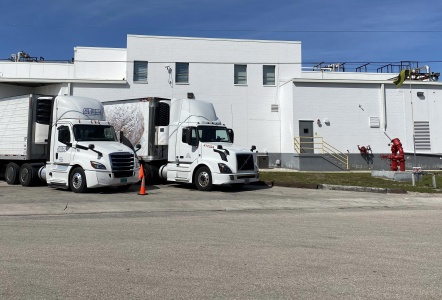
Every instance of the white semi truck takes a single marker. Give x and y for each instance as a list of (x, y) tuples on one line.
[(64, 141), (183, 140)]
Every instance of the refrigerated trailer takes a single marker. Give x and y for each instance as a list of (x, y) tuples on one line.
[(183, 140), (64, 141)]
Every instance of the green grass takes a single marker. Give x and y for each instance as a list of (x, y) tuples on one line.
[(351, 179)]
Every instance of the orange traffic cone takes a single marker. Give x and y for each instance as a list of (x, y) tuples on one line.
[(143, 182)]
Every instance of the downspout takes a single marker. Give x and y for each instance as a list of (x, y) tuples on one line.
[(384, 106)]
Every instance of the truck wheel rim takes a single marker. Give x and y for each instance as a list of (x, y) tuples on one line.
[(77, 180), (203, 179), (9, 173), (24, 175)]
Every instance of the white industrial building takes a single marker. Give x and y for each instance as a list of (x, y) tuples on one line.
[(261, 91)]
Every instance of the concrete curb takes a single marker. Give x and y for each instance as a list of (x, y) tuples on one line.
[(333, 187), (361, 189)]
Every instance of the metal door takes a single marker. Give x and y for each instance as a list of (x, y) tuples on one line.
[(306, 136)]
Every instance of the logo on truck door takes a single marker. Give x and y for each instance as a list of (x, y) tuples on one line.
[(61, 149)]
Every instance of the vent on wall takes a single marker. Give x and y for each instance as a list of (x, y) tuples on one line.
[(275, 108), (375, 122), (422, 135)]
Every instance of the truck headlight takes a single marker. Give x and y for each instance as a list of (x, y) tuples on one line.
[(97, 165), (223, 168)]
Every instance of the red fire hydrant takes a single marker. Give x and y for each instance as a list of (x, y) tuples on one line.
[(397, 155)]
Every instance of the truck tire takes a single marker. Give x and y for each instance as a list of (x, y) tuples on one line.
[(26, 175), (12, 173), (203, 179), (77, 180)]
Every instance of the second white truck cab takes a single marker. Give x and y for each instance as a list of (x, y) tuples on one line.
[(182, 140), (201, 149)]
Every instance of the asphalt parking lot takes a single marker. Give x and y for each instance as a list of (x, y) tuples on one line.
[(257, 243), (18, 200)]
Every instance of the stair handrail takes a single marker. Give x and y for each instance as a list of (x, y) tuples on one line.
[(325, 148)]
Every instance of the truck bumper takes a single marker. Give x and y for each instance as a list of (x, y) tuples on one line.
[(97, 179), (245, 178)]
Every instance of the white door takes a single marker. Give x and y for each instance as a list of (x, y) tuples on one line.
[(63, 153)]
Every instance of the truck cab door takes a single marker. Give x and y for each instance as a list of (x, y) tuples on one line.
[(63, 150), (187, 152), (62, 153)]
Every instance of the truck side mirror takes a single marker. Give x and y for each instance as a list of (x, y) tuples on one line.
[(231, 134)]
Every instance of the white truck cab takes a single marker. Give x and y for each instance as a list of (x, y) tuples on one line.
[(64, 141), (85, 152), (201, 149)]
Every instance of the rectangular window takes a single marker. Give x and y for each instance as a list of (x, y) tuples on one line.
[(192, 132), (268, 75), (140, 71), (64, 135), (182, 73), (240, 74)]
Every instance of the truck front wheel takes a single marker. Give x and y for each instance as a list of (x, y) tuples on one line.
[(77, 181), (12, 173), (203, 179)]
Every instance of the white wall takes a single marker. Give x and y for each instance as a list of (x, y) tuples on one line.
[(36, 70), (247, 109), (100, 63), (349, 106)]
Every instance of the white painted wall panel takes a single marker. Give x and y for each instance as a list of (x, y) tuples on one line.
[(100, 63)]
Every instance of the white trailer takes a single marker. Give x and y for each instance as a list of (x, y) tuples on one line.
[(183, 140), (64, 141)]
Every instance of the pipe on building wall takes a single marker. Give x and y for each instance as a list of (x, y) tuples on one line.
[(384, 106)]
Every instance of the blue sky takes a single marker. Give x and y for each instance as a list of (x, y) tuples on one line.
[(378, 31)]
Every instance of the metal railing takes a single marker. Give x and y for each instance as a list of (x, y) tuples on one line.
[(317, 145)]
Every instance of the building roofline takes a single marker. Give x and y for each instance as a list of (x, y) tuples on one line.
[(38, 80), (362, 81), (213, 39)]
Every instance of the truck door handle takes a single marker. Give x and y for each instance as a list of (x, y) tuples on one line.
[(56, 155)]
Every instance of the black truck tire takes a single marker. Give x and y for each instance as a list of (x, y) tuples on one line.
[(12, 173)]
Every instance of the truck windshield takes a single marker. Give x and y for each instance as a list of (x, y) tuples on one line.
[(213, 134), (94, 133)]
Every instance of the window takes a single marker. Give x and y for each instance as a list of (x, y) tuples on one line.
[(213, 134), (192, 132), (94, 133), (64, 135), (140, 71), (268, 75), (240, 74), (182, 73)]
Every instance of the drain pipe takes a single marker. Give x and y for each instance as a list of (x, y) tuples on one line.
[(384, 106)]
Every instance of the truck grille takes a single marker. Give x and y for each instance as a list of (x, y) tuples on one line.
[(122, 164), (245, 162)]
